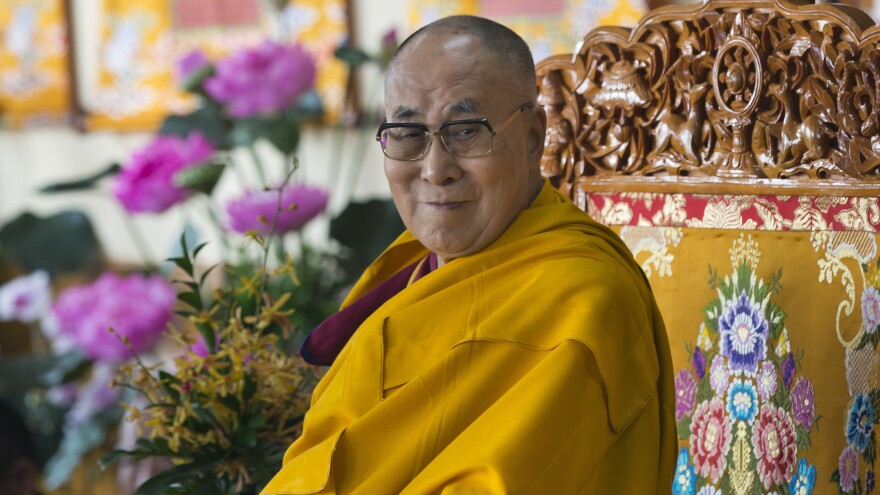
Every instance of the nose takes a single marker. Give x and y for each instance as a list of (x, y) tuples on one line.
[(439, 165)]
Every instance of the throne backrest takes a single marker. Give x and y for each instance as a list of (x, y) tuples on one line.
[(743, 137)]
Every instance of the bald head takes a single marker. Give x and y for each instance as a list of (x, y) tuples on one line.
[(505, 49)]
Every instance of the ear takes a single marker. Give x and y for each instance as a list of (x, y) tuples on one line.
[(537, 132)]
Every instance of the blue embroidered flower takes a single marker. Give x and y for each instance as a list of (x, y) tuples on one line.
[(805, 480), (743, 334), (684, 482), (742, 401), (869, 481), (788, 370), (861, 422), (699, 362)]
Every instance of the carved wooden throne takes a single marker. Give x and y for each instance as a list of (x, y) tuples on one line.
[(735, 146)]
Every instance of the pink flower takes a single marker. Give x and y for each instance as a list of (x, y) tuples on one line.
[(135, 306), (258, 210), (262, 80), (871, 309), (849, 468), (26, 299), (803, 406), (767, 380), (188, 66), (710, 439), (146, 182), (774, 440)]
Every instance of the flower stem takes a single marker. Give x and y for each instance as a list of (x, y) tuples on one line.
[(258, 164)]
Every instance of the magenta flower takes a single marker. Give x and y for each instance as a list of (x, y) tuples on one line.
[(259, 210), (188, 66), (26, 299), (848, 465), (803, 406), (685, 394), (262, 80), (146, 182), (135, 306)]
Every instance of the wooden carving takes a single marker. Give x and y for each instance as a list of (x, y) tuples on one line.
[(734, 92)]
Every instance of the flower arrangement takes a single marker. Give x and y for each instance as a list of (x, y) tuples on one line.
[(748, 414), (225, 413)]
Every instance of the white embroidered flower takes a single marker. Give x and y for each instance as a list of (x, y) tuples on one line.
[(871, 309)]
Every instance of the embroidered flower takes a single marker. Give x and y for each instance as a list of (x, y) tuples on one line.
[(788, 370), (704, 341), (709, 490), (773, 438), (861, 422), (699, 363), (743, 333), (871, 309), (710, 439), (742, 401), (26, 299), (767, 380), (805, 479), (869, 481), (685, 394), (849, 468), (684, 482), (803, 407), (783, 347), (718, 375)]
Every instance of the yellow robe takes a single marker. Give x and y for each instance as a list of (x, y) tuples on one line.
[(537, 365)]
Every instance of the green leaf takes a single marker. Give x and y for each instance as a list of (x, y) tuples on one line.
[(191, 299), (208, 120), (31, 243), (83, 184), (113, 456), (365, 240), (209, 337), (160, 483), (184, 263), (200, 178), (207, 272), (352, 56)]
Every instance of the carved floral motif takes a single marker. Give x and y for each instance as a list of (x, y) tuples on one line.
[(764, 89)]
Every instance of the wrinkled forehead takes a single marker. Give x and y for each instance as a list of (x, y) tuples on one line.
[(452, 75)]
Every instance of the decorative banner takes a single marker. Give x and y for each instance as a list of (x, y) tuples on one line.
[(143, 39), (34, 80), (549, 26)]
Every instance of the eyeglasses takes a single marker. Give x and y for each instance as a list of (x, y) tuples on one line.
[(469, 138)]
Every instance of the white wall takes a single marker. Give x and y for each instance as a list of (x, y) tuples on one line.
[(32, 158)]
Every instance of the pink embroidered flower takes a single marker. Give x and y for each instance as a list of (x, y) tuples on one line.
[(849, 468), (803, 407), (135, 306), (710, 439), (767, 380), (719, 375), (685, 394), (26, 299), (871, 309), (773, 438), (259, 210), (146, 182), (262, 80)]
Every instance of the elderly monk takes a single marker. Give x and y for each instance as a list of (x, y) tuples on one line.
[(505, 342)]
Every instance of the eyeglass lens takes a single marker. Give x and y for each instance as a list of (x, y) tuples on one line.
[(464, 140)]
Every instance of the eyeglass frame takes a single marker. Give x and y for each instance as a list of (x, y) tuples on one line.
[(418, 125)]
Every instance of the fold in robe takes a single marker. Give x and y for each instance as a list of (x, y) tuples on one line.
[(537, 365)]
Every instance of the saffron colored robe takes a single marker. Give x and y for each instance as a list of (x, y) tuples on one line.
[(539, 365)]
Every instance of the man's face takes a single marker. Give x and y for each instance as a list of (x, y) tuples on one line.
[(458, 206)]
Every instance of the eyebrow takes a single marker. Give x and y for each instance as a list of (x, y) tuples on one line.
[(466, 106)]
